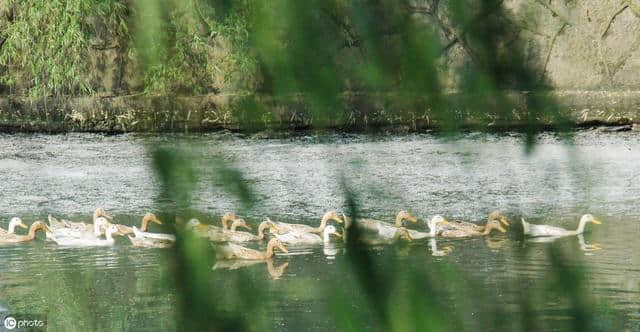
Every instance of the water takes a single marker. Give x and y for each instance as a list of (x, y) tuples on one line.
[(296, 180)]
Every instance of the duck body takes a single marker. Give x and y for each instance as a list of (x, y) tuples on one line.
[(434, 224), (493, 224), (235, 251), (64, 228), (535, 230), (15, 238), (151, 240), (545, 230), (401, 233), (89, 242), (308, 238), (144, 225), (388, 229), (301, 228)]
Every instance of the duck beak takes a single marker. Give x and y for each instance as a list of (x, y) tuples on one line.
[(412, 219), (596, 221), (247, 226), (157, 221), (338, 220), (505, 221), (501, 229), (338, 234), (284, 249), (108, 215), (23, 225), (445, 221)]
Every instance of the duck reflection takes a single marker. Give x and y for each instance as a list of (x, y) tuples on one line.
[(586, 247), (444, 251), (496, 243), (274, 272)]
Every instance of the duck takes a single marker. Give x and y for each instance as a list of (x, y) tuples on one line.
[(300, 228), (308, 238), (204, 230), (15, 238), (534, 230), (457, 233), (401, 233), (465, 225), (89, 231), (433, 224), (235, 251), (13, 223), (146, 219), (239, 236), (378, 225), (67, 228), (88, 242), (232, 234), (151, 240)]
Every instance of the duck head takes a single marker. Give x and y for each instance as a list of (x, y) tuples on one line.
[(332, 215), (100, 212), (404, 215), (497, 215), (590, 218), (239, 223), (16, 222)]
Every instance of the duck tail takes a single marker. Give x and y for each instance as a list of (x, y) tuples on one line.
[(525, 226)]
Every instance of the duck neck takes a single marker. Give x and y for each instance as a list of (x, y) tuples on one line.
[(261, 229), (32, 232), (269, 253), (323, 224), (399, 219), (109, 237), (432, 229), (11, 229), (96, 229), (581, 226), (145, 224), (225, 223)]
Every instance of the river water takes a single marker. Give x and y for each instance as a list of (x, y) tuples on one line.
[(297, 179)]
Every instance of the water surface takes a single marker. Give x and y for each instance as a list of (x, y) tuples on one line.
[(298, 179)]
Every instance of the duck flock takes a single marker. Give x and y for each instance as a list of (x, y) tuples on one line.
[(228, 239)]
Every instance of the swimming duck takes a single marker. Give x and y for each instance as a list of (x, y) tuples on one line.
[(378, 225), (545, 230), (15, 238), (300, 228), (238, 236), (234, 251), (146, 219), (433, 224), (151, 240), (401, 233), (88, 231), (308, 238), (221, 235), (491, 225), (88, 242), (13, 223), (67, 228), (469, 226)]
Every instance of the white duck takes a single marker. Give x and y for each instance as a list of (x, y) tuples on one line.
[(300, 228), (13, 223), (87, 242), (90, 231), (60, 228), (534, 230), (151, 240), (433, 224), (308, 238)]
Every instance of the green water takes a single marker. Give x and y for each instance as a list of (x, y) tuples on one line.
[(297, 180)]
